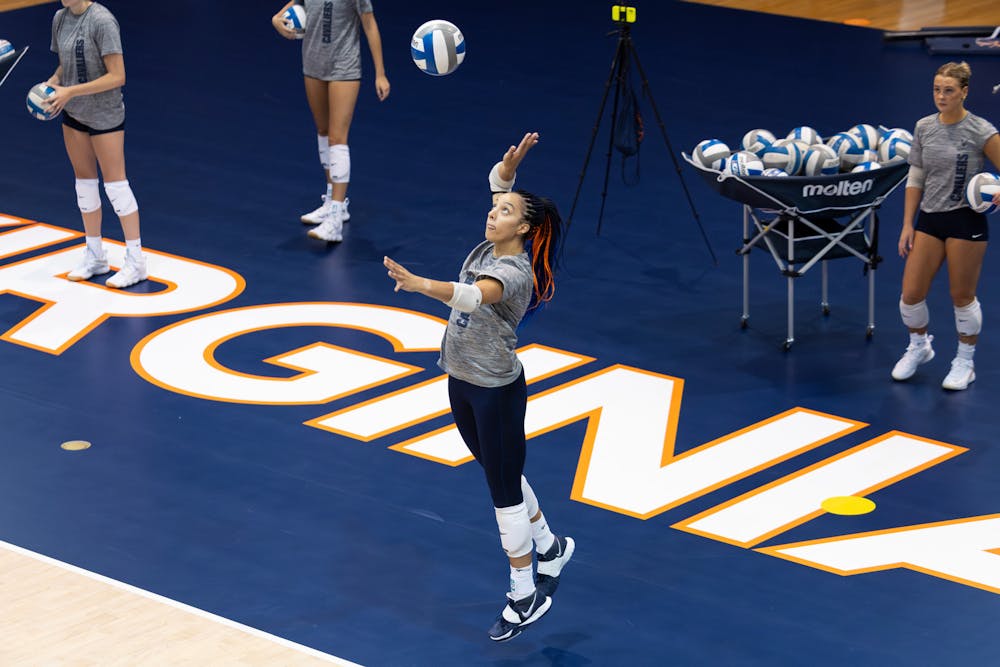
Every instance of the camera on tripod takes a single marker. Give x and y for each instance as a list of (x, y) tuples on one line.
[(622, 14)]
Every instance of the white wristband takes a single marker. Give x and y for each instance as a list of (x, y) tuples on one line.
[(465, 298), (498, 184)]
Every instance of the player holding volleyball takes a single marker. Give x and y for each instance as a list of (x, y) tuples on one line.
[(331, 63), (503, 278), (88, 90), (948, 149)]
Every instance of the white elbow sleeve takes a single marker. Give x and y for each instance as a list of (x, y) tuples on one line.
[(915, 179), (465, 298), (498, 184)]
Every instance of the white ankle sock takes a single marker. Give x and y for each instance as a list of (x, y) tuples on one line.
[(95, 246), (540, 533), (522, 582), (133, 246), (918, 339), (966, 351)]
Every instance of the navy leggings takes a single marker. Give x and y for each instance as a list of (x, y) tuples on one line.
[(491, 422)]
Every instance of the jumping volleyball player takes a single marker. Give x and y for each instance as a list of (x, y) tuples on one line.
[(88, 90), (331, 63), (504, 277)]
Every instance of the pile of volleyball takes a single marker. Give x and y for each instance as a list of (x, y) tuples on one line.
[(803, 152)]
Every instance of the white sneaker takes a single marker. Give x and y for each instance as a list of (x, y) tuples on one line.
[(332, 227), (317, 216), (91, 266), (133, 271), (961, 375), (913, 357)]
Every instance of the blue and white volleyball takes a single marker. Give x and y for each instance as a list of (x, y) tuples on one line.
[(851, 159), (7, 50), (888, 134), (437, 47), (866, 166), (868, 135), (843, 142), (710, 153), (774, 173), (757, 141), (820, 160), (784, 154), (295, 18), (37, 101), (980, 192), (743, 163), (894, 150), (806, 134)]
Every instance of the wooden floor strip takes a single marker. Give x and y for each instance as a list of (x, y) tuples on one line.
[(63, 615)]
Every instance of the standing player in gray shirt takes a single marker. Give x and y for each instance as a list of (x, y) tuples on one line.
[(88, 85), (503, 278), (331, 63), (949, 148)]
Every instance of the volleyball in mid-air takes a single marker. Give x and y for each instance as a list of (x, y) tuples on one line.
[(37, 101), (980, 192), (295, 17), (437, 47)]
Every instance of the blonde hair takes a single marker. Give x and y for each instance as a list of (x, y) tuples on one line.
[(961, 72)]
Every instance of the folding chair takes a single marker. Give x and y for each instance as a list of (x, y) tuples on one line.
[(798, 220)]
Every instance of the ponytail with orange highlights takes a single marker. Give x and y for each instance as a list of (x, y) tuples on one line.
[(543, 243)]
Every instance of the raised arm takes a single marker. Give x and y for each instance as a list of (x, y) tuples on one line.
[(504, 172)]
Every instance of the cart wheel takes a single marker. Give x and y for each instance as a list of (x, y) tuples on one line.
[(826, 310), (787, 345), (744, 323), (870, 333)]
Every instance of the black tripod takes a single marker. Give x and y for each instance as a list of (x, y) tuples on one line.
[(624, 52)]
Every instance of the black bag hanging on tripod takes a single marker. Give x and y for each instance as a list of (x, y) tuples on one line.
[(628, 130)]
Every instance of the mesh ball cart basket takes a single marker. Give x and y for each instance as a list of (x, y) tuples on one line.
[(802, 220)]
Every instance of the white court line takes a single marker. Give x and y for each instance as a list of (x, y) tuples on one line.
[(153, 620)]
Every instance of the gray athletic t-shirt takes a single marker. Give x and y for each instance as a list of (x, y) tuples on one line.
[(331, 48), (479, 347), (949, 155), (82, 42)]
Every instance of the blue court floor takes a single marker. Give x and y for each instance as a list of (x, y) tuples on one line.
[(268, 440)]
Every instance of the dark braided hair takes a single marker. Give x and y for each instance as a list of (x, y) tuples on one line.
[(543, 243)]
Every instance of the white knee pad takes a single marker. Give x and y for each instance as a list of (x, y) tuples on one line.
[(88, 195), (530, 500), (340, 163), (915, 316), (122, 199), (515, 530), (323, 143), (969, 319)]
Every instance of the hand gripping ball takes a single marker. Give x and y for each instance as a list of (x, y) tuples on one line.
[(295, 17), (980, 192), (37, 101)]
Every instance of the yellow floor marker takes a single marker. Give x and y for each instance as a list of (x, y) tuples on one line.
[(75, 445), (848, 505)]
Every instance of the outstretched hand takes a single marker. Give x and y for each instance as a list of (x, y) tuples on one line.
[(512, 158), (405, 280)]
